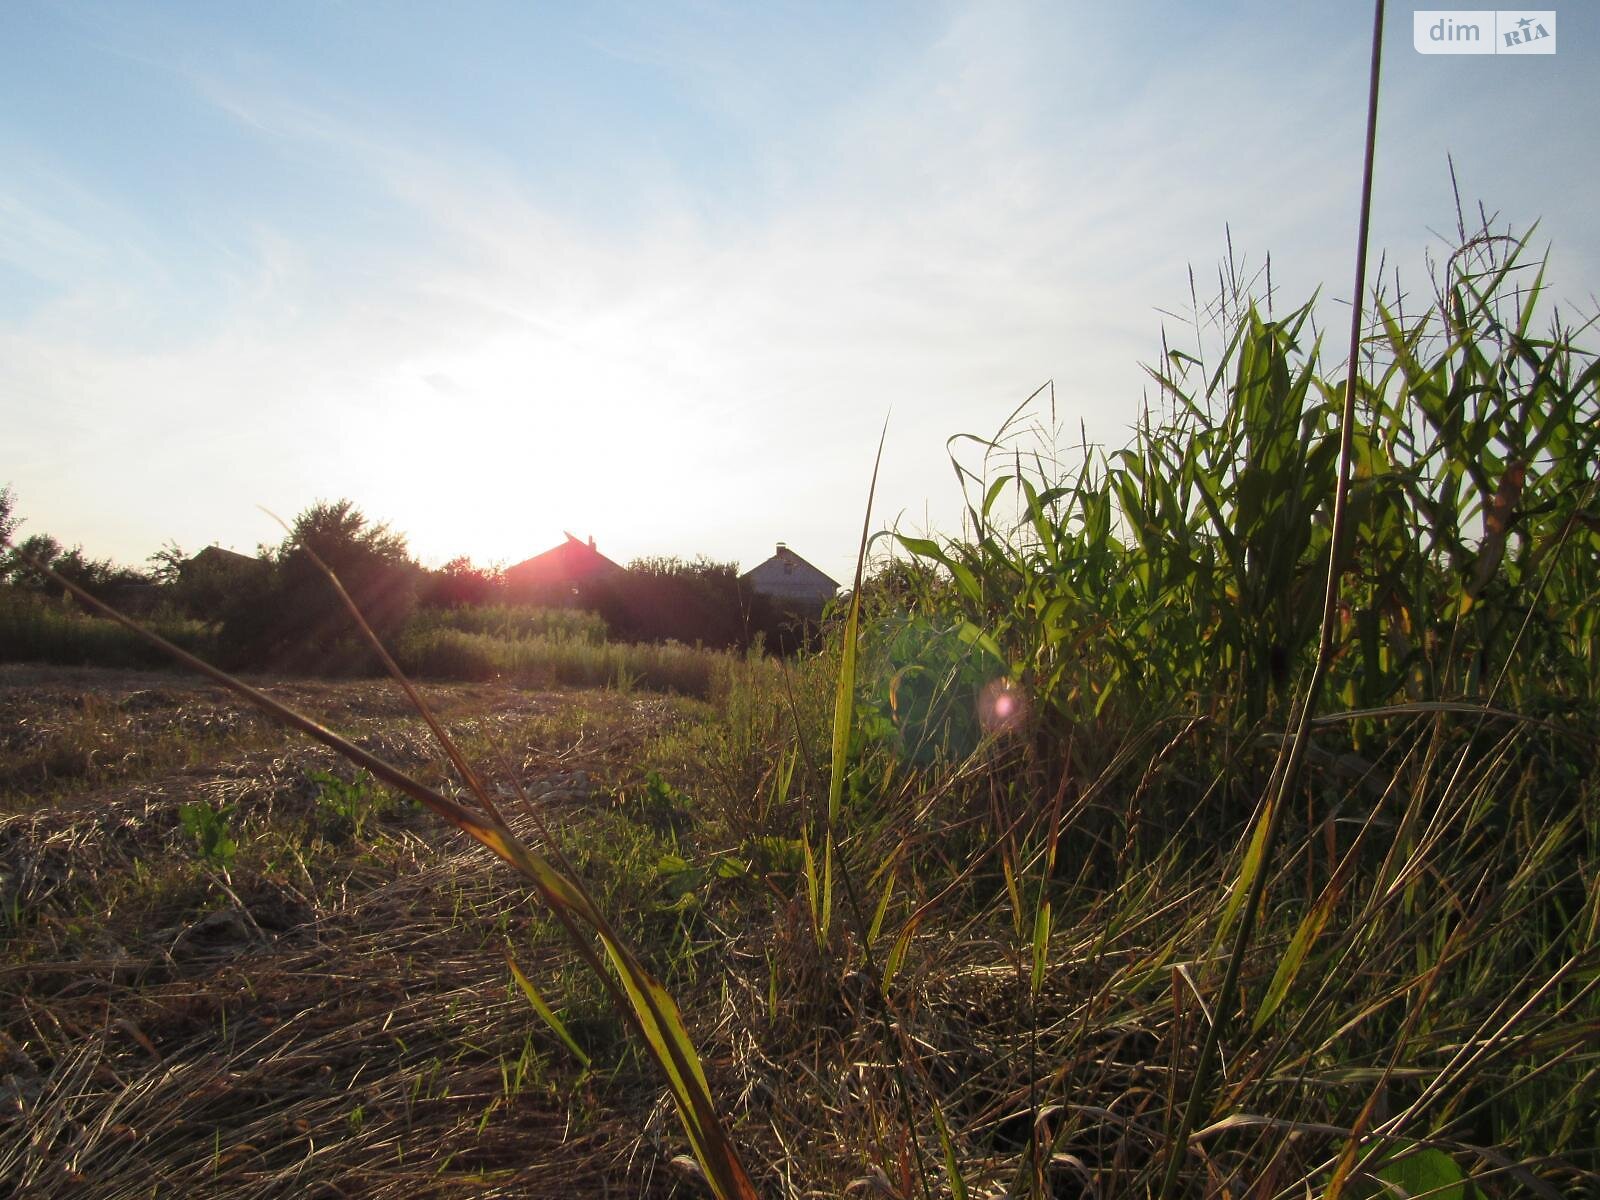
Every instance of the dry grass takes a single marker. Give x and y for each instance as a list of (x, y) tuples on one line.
[(323, 1014), (365, 1052), (332, 1015)]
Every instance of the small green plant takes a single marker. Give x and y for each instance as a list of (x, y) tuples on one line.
[(1406, 1169), (208, 826), (349, 804), (661, 806)]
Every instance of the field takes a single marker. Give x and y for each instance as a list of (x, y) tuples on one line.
[(325, 1001), (1199, 822)]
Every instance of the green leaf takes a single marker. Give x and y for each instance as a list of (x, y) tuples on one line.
[(813, 896), (973, 636), (1311, 927), (883, 905), (1041, 945), (993, 493), (1253, 859), (1013, 892), (958, 1185), (1426, 1172), (844, 703), (896, 957), (543, 1009), (1405, 1170)]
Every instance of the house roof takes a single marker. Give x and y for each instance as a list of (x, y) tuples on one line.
[(216, 556), (793, 571), (574, 559)]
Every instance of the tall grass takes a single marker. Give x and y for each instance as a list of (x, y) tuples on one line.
[(443, 653), (512, 621), (553, 646), (1190, 563), (42, 629), (1073, 718)]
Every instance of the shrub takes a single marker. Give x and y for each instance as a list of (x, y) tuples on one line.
[(459, 584), (699, 602), (37, 628), (288, 616)]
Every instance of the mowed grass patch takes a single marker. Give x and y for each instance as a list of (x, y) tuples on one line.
[(63, 734), (325, 976), (81, 836), (351, 1025)]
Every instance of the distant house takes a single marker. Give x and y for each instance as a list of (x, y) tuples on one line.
[(214, 559), (789, 581), (214, 577), (563, 573)]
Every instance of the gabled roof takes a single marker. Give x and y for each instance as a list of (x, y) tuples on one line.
[(229, 560), (572, 561), (787, 571)]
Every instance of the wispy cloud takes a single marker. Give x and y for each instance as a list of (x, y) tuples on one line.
[(486, 363)]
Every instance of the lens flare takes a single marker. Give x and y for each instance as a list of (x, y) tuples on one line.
[(1001, 707)]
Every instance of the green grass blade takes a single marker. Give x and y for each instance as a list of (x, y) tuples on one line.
[(958, 1185), (845, 695), (883, 900), (1041, 946), (557, 1026)]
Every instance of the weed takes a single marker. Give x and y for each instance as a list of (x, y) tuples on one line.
[(208, 826), (351, 803)]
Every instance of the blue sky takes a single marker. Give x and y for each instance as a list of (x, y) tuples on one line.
[(657, 272)]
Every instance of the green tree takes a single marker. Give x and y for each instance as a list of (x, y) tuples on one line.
[(99, 577), (8, 518), (37, 547), (342, 536), (288, 615), (167, 563), (459, 584), (700, 601)]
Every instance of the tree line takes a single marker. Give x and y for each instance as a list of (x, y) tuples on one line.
[(278, 610)]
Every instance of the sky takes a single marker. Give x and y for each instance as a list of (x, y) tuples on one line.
[(658, 273)]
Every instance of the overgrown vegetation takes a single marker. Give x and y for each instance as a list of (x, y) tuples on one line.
[(956, 927), (444, 652), (1083, 706), (38, 628)]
